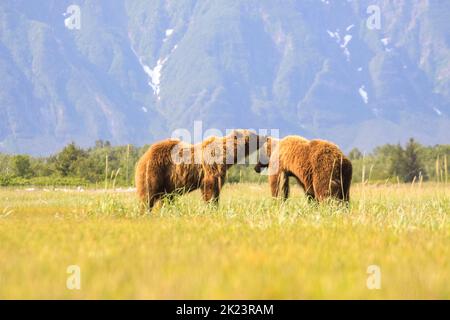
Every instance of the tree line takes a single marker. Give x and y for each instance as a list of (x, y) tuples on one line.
[(397, 163), (73, 165), (107, 164)]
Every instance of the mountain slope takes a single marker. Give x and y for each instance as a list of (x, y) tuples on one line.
[(137, 70)]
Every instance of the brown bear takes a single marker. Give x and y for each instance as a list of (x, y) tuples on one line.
[(319, 166), (173, 167)]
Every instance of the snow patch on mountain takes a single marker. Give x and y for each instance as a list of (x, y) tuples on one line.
[(364, 95), (168, 33), (347, 39), (155, 75), (386, 41), (342, 42), (334, 35)]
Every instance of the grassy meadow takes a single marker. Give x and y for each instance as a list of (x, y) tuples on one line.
[(250, 247)]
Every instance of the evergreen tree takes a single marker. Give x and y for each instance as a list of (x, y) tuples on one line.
[(412, 166), (397, 161)]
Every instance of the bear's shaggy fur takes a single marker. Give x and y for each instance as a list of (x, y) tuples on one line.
[(319, 166), (173, 167)]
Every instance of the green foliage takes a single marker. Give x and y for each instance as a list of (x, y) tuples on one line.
[(404, 164), (396, 156), (67, 162), (355, 154), (239, 174), (5, 181), (21, 166), (52, 181)]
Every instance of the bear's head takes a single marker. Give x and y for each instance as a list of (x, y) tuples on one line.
[(244, 143), (265, 152)]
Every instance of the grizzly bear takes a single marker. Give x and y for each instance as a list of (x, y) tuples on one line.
[(319, 166), (173, 167)]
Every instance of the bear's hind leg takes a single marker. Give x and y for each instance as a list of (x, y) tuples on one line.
[(279, 185), (346, 176), (152, 200)]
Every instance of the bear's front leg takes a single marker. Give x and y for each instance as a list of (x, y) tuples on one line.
[(211, 189)]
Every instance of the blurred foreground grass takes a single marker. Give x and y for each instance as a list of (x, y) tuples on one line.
[(251, 247)]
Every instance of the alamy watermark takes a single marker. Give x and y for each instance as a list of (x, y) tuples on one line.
[(72, 16), (234, 146), (374, 279), (73, 281), (373, 22)]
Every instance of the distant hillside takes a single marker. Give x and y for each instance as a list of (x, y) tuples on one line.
[(136, 70)]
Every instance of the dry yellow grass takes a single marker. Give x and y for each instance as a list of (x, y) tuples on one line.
[(250, 247)]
